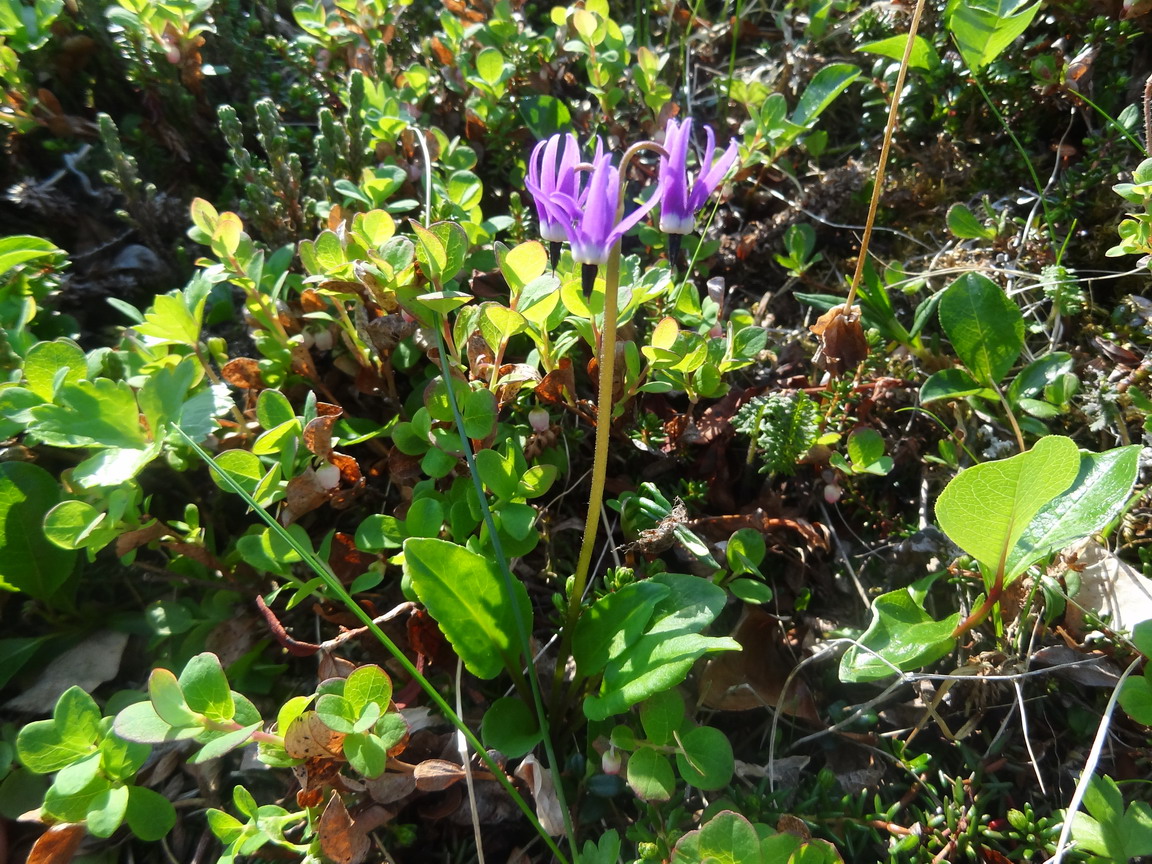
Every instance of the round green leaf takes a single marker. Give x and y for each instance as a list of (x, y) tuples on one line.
[(650, 775), (28, 561), (510, 727), (704, 759)]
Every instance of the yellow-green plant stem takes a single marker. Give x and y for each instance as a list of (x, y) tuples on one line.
[(603, 422), (889, 131), (607, 371)]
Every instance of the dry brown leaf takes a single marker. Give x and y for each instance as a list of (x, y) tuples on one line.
[(57, 845), (433, 775), (307, 737), (318, 434), (243, 372), (548, 809), (559, 385), (303, 494), (391, 787), (340, 838), (755, 677), (130, 540), (843, 345), (87, 665)]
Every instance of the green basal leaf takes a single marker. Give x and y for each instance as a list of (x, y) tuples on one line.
[(902, 634), (650, 775), (510, 727), (1095, 497), (704, 758), (987, 508), (205, 687), (366, 754), (612, 623), (726, 838), (466, 594), (984, 325), (663, 655), (29, 562), (168, 700), (822, 91), (368, 684), (661, 716)]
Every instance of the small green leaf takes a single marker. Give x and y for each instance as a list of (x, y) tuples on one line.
[(368, 684), (704, 758), (613, 623), (205, 688), (168, 700), (467, 596), (490, 65), (650, 775), (902, 634), (745, 551), (107, 810), (101, 413), (523, 263), (366, 754), (45, 360), (952, 384), (985, 326), (479, 410), (987, 508), (150, 815), (498, 474), (963, 223), (217, 747), (661, 716), (45, 746), (510, 727)]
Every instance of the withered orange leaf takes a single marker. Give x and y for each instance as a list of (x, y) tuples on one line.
[(307, 737), (57, 845), (340, 839), (243, 372)]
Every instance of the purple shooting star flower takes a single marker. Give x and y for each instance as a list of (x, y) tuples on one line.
[(596, 230), (681, 196), (555, 188)]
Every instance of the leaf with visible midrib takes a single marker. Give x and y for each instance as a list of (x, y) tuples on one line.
[(985, 327), (1094, 499), (466, 595), (986, 508)]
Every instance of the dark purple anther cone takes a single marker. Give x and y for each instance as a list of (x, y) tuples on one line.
[(588, 278)]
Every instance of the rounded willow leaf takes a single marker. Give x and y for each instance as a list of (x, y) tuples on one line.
[(650, 775), (510, 727), (705, 759)]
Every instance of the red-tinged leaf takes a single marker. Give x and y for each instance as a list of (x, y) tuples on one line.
[(57, 845)]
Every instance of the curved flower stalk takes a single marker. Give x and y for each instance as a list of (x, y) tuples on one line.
[(681, 195)]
